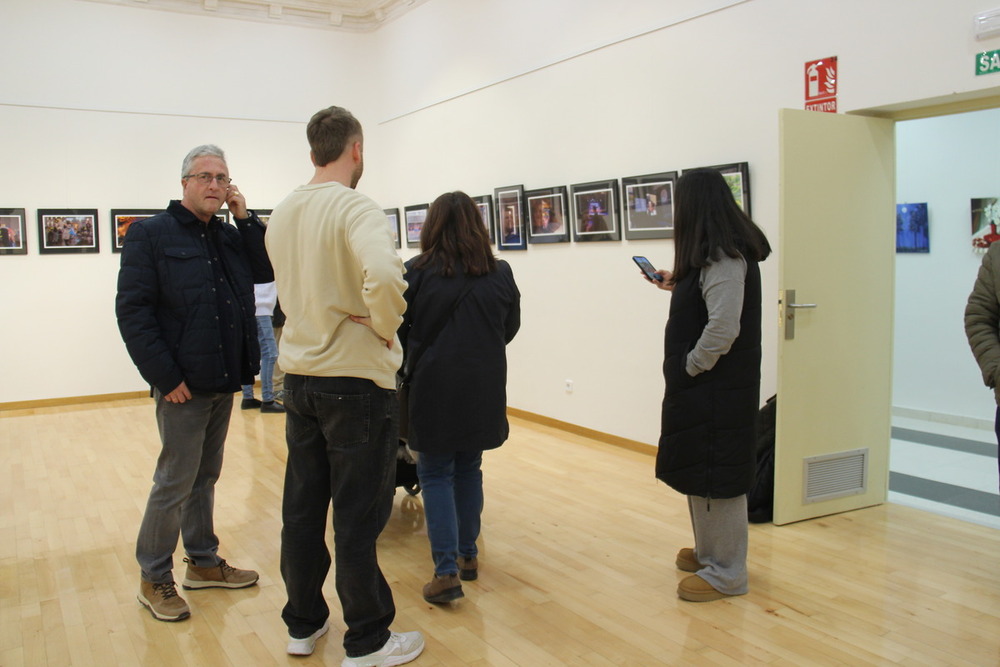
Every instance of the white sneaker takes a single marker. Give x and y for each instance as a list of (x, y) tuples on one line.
[(401, 648), (306, 645)]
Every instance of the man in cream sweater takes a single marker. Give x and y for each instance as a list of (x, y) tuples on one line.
[(341, 287)]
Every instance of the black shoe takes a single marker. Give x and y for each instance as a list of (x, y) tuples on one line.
[(249, 404), (272, 406)]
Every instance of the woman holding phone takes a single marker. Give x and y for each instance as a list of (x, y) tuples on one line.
[(712, 372)]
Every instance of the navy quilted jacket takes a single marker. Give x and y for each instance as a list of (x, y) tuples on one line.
[(177, 321)]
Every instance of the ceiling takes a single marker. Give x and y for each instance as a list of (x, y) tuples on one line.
[(350, 15)]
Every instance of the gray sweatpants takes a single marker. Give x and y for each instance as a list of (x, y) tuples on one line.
[(720, 541)]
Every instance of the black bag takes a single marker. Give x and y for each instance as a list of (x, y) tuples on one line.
[(760, 500)]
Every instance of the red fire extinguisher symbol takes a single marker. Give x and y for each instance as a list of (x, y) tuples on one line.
[(821, 84)]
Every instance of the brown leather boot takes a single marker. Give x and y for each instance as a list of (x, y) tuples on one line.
[(443, 589), (468, 568)]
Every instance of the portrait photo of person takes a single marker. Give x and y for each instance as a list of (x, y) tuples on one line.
[(594, 215), (547, 215), (511, 225)]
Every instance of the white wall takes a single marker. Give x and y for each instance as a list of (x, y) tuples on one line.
[(456, 94), (943, 162)]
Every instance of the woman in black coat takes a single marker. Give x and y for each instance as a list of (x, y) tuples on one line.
[(712, 373), (463, 307)]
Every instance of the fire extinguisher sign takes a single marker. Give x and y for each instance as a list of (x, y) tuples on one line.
[(821, 85)]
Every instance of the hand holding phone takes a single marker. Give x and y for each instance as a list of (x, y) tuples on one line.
[(647, 268)]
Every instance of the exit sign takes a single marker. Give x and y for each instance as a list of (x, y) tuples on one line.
[(988, 62)]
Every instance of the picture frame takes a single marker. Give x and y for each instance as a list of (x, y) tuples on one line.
[(510, 215), (737, 175), (122, 219), (65, 231), (485, 205), (595, 211), (224, 214), (912, 228), (264, 214), (13, 238), (649, 205), (392, 216), (414, 218), (548, 215)]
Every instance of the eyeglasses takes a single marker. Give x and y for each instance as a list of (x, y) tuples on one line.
[(205, 178)]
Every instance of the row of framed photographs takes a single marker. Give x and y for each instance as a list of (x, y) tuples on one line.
[(586, 212), (71, 230)]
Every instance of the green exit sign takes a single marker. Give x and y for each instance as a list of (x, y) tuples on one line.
[(988, 62)]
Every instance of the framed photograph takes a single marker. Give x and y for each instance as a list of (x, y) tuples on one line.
[(649, 205), (415, 217), (12, 228), (122, 219), (912, 233), (392, 215), (485, 205), (67, 231), (510, 212), (224, 214), (737, 175), (264, 214), (595, 207), (985, 221), (548, 211)]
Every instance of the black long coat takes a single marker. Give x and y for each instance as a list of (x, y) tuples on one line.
[(708, 431), (458, 390)]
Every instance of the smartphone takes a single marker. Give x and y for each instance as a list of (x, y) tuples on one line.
[(647, 268)]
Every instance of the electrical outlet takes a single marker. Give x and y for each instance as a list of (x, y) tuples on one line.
[(569, 386)]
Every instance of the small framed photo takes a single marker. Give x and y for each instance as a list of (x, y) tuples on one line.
[(595, 208), (912, 234), (649, 205), (68, 231), (224, 214), (737, 175), (264, 214), (547, 215), (392, 216), (415, 217), (485, 205), (122, 219), (510, 212), (12, 229)]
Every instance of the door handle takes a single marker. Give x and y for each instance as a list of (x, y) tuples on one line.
[(787, 308)]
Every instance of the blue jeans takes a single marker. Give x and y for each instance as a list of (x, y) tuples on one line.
[(452, 486), (268, 357), (183, 495), (342, 436)]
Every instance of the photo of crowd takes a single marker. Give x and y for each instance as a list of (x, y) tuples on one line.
[(68, 231)]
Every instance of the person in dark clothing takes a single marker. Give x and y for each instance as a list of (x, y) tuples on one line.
[(458, 387), (712, 371), (185, 309)]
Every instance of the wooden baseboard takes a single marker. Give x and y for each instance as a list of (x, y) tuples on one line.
[(70, 400), (607, 438)]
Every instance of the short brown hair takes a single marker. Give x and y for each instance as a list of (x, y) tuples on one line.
[(329, 132)]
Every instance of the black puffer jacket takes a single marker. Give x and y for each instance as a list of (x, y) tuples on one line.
[(708, 434), (179, 320)]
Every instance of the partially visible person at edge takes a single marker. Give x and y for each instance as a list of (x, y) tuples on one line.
[(185, 309), (266, 299), (458, 388), (712, 372), (982, 323), (334, 258)]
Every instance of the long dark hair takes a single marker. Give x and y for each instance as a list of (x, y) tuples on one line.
[(454, 238), (708, 223)]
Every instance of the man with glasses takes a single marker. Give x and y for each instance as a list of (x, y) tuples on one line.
[(185, 310)]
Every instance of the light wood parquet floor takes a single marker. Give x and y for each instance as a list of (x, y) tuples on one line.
[(577, 564)]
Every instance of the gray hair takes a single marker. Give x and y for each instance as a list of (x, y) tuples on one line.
[(205, 150)]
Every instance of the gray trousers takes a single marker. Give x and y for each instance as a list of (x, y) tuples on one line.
[(721, 533), (182, 499)]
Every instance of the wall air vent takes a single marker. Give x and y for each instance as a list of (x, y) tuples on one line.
[(835, 475)]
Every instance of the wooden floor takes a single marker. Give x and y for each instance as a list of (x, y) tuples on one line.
[(577, 565)]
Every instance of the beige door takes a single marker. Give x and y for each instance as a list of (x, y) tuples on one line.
[(837, 238)]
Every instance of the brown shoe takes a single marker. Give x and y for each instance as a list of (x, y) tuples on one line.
[(222, 575), (696, 589), (686, 562), (468, 568), (443, 589), (162, 601)]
